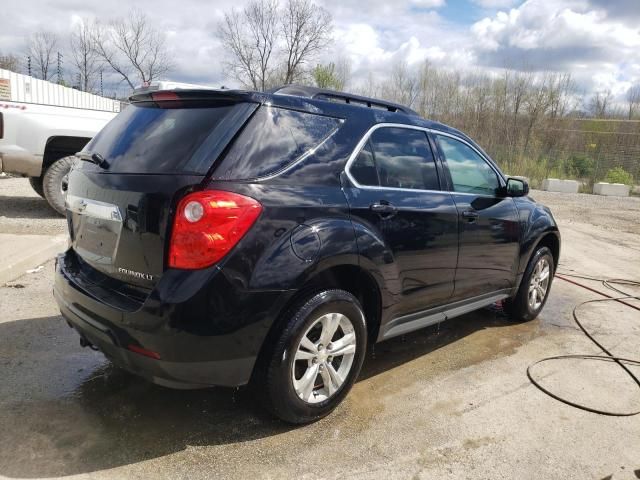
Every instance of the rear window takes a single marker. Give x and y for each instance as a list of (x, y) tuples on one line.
[(150, 138), (274, 139)]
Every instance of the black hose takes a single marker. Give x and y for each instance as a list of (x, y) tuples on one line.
[(608, 357)]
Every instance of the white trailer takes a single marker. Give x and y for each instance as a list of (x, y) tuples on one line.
[(41, 125)]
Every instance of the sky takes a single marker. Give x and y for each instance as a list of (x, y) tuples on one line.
[(597, 41)]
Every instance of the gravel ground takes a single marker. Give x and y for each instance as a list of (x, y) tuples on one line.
[(607, 213), (23, 211)]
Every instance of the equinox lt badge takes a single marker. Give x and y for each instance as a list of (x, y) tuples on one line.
[(144, 276)]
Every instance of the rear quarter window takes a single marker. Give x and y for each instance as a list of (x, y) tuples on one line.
[(274, 139)]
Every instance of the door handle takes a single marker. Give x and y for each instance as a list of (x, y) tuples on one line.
[(383, 208), (470, 215)]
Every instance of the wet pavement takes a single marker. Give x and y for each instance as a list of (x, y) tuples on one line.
[(452, 399), (66, 410), (448, 401)]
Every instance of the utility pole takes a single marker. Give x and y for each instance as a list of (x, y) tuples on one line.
[(101, 86), (60, 69), (29, 64)]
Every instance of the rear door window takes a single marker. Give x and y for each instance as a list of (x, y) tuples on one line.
[(396, 157), (274, 139), (167, 137)]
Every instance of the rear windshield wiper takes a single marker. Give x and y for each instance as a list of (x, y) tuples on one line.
[(95, 158)]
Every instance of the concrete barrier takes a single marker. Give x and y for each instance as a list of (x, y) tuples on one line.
[(564, 186), (611, 189)]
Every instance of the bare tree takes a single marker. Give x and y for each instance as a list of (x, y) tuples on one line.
[(370, 88), (402, 86), (84, 56), (268, 45), (633, 99), (41, 50), (599, 103), (9, 62), (133, 48), (250, 36), (536, 105), (306, 29)]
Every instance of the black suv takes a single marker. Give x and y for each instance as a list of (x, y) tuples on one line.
[(231, 237)]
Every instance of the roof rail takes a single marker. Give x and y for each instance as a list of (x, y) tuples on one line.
[(341, 97)]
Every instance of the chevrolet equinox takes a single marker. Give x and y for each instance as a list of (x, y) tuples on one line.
[(226, 237)]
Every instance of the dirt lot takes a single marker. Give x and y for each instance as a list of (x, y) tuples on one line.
[(452, 401), (22, 211)]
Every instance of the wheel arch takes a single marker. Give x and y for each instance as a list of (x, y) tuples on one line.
[(551, 240), (347, 276), (60, 146)]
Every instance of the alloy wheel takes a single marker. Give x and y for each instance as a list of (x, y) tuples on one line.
[(324, 358), (539, 283)]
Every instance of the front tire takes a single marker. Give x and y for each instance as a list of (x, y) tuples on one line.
[(55, 183), (534, 287), (316, 358)]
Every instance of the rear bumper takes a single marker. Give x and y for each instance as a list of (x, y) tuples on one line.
[(191, 354), (17, 160)]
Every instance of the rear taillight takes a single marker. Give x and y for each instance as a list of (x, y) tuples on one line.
[(208, 225)]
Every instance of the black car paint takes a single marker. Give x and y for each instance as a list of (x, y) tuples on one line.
[(209, 326)]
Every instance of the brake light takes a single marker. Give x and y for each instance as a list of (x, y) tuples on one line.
[(164, 96), (207, 225)]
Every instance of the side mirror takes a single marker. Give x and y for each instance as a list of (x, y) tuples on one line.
[(517, 187)]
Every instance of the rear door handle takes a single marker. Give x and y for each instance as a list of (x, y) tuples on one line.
[(470, 215), (384, 209)]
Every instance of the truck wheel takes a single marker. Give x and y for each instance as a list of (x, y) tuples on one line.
[(55, 183), (36, 184), (316, 359)]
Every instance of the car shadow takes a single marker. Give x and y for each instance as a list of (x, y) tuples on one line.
[(66, 410), (26, 207)]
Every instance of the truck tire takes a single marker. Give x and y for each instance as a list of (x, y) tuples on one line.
[(55, 183), (36, 184)]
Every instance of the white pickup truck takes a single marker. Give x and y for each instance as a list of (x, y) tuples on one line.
[(41, 125)]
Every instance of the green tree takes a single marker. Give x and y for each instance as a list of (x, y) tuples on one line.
[(327, 76)]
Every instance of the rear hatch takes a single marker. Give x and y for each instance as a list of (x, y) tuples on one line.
[(154, 151)]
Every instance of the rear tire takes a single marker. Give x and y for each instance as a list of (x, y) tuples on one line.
[(55, 183), (36, 184), (534, 287), (300, 379)]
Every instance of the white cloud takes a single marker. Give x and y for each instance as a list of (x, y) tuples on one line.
[(495, 4), (565, 35), (429, 3), (540, 24)]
